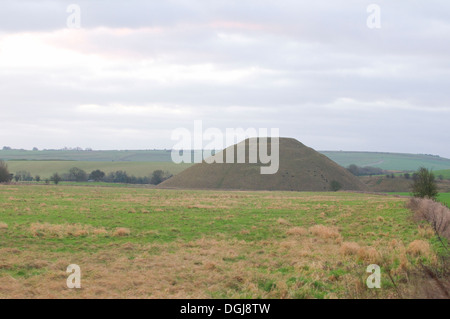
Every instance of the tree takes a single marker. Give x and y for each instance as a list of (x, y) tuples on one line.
[(407, 176), (97, 175), (23, 176), (56, 178), (159, 176), (353, 169), (5, 176), (37, 178), (77, 174), (424, 184)]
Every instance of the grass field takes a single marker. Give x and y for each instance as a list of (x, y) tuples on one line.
[(149, 243), (139, 169)]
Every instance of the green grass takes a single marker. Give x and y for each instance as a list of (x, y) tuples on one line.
[(194, 243), (139, 169)]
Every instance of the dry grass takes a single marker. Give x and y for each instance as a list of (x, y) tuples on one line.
[(419, 248), (121, 231), (64, 230), (349, 248), (369, 255), (325, 231), (283, 221), (297, 231), (3, 226)]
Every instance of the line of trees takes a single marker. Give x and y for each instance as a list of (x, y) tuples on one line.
[(76, 174), (364, 170)]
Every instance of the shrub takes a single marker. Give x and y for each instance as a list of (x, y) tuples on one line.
[(435, 213), (335, 186)]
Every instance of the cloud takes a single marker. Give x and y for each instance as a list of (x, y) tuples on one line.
[(138, 69)]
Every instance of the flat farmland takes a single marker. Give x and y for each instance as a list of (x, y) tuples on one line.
[(140, 169), (151, 243)]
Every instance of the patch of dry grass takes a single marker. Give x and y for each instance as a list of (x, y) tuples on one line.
[(349, 248), (297, 231), (3, 225), (419, 248), (121, 231), (325, 232), (64, 230)]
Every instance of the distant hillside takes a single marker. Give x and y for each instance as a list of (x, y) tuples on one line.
[(389, 161), (89, 156), (301, 169)]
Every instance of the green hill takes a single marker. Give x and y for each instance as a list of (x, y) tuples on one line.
[(301, 169), (389, 161)]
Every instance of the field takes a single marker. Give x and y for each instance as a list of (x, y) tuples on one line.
[(139, 169), (150, 243)]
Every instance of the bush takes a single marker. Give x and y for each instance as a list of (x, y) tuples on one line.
[(335, 186), (433, 212)]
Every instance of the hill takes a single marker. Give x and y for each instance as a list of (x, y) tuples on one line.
[(301, 169), (389, 161)]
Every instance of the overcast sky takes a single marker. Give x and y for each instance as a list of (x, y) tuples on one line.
[(137, 70)]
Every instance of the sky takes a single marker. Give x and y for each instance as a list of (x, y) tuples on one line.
[(336, 75)]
